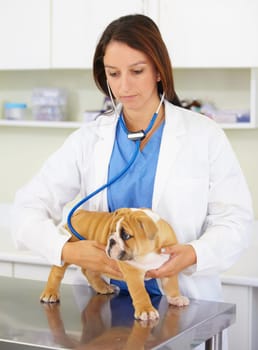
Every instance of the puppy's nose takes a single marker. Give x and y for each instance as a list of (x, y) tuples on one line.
[(111, 242)]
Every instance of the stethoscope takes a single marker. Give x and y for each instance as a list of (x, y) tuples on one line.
[(133, 136)]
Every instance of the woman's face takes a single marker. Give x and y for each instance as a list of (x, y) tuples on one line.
[(131, 75)]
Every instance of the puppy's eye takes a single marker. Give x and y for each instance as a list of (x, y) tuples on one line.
[(124, 235)]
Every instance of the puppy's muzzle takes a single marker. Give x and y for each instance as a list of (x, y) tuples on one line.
[(115, 252)]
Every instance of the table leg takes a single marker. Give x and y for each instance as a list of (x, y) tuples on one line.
[(214, 343)]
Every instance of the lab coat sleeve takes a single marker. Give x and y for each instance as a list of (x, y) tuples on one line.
[(226, 230), (38, 206)]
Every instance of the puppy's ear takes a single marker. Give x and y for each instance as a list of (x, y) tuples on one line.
[(117, 215), (148, 226)]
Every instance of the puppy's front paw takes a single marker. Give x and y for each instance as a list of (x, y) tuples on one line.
[(146, 314), (50, 296), (178, 301)]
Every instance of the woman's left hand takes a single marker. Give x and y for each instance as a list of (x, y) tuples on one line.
[(181, 257)]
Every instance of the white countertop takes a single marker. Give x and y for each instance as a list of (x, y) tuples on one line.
[(8, 251)]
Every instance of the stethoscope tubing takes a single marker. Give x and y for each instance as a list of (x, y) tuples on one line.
[(94, 193), (120, 174)]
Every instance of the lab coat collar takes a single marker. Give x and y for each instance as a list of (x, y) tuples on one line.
[(105, 124), (172, 139), (105, 132)]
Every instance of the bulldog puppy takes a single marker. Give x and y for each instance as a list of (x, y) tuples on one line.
[(134, 238)]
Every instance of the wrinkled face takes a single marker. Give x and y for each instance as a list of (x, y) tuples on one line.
[(132, 234)]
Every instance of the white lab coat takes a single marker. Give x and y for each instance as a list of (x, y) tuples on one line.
[(199, 189)]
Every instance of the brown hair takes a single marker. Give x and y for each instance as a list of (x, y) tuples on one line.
[(141, 33)]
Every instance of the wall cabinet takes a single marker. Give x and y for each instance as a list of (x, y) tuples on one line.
[(55, 34), (63, 34), (77, 25), (207, 33), (243, 334), (24, 34)]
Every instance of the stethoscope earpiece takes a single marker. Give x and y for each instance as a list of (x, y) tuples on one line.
[(111, 96)]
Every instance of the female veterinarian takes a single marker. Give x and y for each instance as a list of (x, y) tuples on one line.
[(185, 169)]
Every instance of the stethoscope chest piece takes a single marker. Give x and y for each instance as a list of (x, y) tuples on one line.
[(136, 136)]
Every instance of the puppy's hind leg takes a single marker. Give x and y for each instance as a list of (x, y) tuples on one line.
[(51, 292), (97, 282), (171, 289)]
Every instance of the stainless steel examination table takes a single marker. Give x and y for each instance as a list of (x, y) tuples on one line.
[(85, 320)]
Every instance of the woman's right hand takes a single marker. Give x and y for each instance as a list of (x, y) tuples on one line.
[(91, 255)]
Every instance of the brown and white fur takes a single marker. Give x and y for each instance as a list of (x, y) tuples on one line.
[(134, 238)]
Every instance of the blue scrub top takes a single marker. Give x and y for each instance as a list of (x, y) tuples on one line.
[(135, 188)]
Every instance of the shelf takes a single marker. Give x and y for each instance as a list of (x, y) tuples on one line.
[(75, 125), (40, 124), (229, 88), (236, 125)]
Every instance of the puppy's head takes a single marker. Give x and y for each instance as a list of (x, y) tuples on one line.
[(133, 233)]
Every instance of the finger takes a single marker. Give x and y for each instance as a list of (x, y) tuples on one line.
[(112, 263), (114, 272), (152, 274), (99, 245), (168, 250)]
